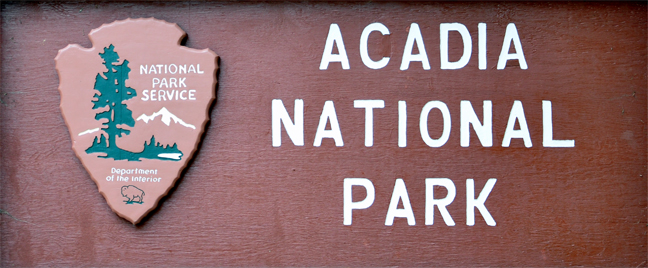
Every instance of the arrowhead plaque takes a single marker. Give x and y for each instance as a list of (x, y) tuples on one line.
[(136, 104)]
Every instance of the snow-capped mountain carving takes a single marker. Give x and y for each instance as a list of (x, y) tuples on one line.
[(89, 131), (166, 118)]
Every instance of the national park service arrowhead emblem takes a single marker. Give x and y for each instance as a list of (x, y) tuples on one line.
[(136, 104)]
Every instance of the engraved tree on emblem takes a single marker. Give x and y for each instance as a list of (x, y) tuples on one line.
[(112, 92)]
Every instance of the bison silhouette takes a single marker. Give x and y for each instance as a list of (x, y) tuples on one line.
[(133, 194)]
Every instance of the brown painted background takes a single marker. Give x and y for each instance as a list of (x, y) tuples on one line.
[(244, 203)]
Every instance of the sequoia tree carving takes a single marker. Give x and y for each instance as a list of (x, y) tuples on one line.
[(112, 92)]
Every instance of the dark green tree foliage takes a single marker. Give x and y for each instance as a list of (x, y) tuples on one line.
[(112, 92)]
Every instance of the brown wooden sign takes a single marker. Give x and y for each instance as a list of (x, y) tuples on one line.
[(352, 134)]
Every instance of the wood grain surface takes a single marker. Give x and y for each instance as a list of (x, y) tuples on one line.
[(243, 202)]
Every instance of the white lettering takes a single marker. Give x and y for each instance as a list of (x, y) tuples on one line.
[(547, 129), (349, 205), (445, 28), (369, 105), (171, 94), (294, 130), (155, 81), (168, 95), (400, 193), (364, 54), (517, 114), (175, 68), (334, 36), (481, 27), (423, 123), (328, 114), (430, 202), (161, 95), (402, 124), (511, 36), (484, 131), (479, 203), (414, 36)]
